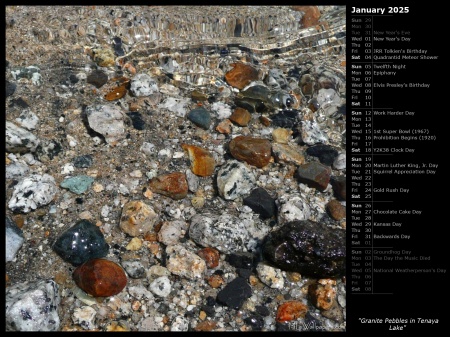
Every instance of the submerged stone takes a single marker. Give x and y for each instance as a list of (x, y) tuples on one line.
[(312, 249), (82, 242), (254, 151), (200, 117)]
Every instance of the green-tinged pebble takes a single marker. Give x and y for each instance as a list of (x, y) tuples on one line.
[(78, 184)]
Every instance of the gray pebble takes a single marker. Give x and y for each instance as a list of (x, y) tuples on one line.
[(134, 269), (161, 286), (19, 140), (108, 121), (32, 306), (143, 85), (14, 239), (32, 192), (235, 179), (16, 170), (312, 134)]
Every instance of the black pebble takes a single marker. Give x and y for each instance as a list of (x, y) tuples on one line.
[(97, 78), (83, 161), (240, 260), (10, 88), (312, 323), (325, 153), (136, 120), (262, 310), (285, 119), (255, 321), (244, 273), (21, 103), (339, 187), (261, 202), (235, 293)]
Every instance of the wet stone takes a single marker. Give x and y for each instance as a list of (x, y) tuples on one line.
[(32, 192), (184, 263), (241, 117), (281, 135), (336, 210), (235, 293), (200, 117), (137, 218), (32, 306), (257, 91), (100, 278), (136, 120), (14, 239), (19, 140), (80, 243), (270, 276), (287, 154), (202, 161), (210, 255), (287, 119), (224, 126), (241, 260), (261, 202), (97, 78), (134, 269), (241, 75), (83, 161), (226, 232), (311, 15), (325, 153), (311, 249), (276, 80), (255, 322), (103, 57), (234, 179), (312, 134), (340, 162), (251, 104), (78, 184), (108, 121), (339, 187), (172, 185), (143, 85), (292, 207), (315, 175), (10, 88), (291, 310), (254, 151), (322, 296)]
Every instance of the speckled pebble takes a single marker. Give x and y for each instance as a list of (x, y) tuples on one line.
[(143, 85), (161, 286), (287, 154), (234, 179), (28, 119), (134, 268), (281, 135), (19, 140), (340, 162), (312, 133), (32, 192), (184, 263), (84, 316), (270, 276), (292, 207), (83, 161), (32, 306), (171, 232)]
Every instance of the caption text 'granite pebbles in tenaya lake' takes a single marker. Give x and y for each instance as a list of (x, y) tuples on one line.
[(175, 168)]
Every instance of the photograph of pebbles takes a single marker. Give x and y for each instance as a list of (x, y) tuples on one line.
[(175, 168)]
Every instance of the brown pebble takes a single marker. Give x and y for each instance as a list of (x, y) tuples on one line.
[(215, 281), (137, 218), (151, 237), (116, 88), (198, 96), (211, 256), (173, 185), (224, 126), (254, 151), (265, 121), (241, 75), (206, 326), (19, 220), (202, 161), (241, 117), (100, 278), (202, 315), (291, 310), (336, 210)]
